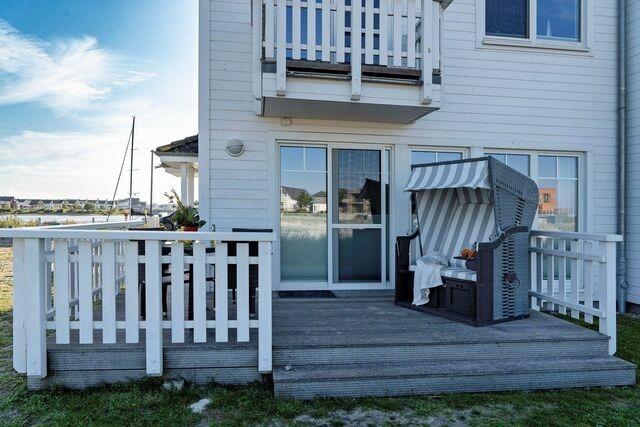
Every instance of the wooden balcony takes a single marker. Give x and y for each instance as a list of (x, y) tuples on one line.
[(306, 65)]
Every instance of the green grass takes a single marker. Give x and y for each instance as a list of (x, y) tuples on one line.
[(147, 403)]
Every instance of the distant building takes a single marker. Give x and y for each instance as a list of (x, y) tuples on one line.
[(7, 202)]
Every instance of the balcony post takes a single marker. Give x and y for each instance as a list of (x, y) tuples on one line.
[(281, 51), (427, 42), (356, 50), (20, 297)]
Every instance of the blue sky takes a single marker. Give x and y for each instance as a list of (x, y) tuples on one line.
[(73, 72)]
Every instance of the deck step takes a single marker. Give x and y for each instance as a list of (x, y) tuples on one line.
[(398, 379), (399, 352)]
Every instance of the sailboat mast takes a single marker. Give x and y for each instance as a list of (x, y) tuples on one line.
[(133, 128)]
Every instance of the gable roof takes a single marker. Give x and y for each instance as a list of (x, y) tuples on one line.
[(185, 146), (292, 192)]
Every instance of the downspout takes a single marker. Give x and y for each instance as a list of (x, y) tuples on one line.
[(622, 284)]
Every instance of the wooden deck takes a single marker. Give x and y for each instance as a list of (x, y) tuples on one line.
[(360, 346)]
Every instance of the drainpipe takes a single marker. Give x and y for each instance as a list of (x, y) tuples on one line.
[(622, 283)]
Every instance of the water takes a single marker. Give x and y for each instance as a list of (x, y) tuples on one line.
[(66, 218)]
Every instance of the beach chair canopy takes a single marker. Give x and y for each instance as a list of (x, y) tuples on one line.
[(462, 202)]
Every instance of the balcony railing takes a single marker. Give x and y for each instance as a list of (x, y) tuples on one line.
[(73, 279), (575, 274), (402, 34)]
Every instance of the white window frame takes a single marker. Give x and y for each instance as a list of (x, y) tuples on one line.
[(585, 220), (532, 41)]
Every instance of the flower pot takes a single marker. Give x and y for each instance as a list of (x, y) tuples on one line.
[(189, 228)]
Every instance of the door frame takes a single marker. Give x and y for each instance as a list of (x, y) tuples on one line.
[(387, 269)]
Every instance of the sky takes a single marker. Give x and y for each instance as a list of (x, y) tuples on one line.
[(73, 73)]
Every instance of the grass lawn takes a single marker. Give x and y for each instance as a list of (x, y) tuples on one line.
[(147, 403)]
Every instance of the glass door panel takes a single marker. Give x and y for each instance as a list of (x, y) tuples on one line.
[(303, 214), (358, 208)]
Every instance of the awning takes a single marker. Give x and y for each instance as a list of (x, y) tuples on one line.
[(465, 174)]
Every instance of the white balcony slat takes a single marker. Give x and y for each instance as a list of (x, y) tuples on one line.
[(108, 292), (281, 61), (20, 296), (311, 30), (384, 31), (607, 295), (85, 291), (264, 310), (131, 299), (35, 309), (397, 33), (427, 42), (573, 292), (562, 276), (222, 293), (295, 27), (326, 30), (153, 292), (368, 32), (200, 293), (588, 281), (269, 36), (62, 292), (411, 33), (177, 292), (356, 50), (243, 292), (436, 30), (340, 30)]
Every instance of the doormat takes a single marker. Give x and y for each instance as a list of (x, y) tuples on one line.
[(306, 294)]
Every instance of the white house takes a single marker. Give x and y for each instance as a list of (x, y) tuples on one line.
[(535, 86), (311, 115)]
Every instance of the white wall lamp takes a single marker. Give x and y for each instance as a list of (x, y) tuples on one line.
[(234, 147)]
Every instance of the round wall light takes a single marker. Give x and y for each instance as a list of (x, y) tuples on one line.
[(234, 147)]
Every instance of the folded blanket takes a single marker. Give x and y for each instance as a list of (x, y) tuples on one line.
[(427, 276)]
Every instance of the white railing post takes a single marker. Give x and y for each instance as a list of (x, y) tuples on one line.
[(264, 309), (426, 36), (153, 292), (20, 297), (200, 298), (62, 291), (356, 50), (222, 293), (131, 289), (35, 308), (281, 49), (608, 294)]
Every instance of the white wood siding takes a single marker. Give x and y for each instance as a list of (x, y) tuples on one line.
[(633, 153), (496, 98)]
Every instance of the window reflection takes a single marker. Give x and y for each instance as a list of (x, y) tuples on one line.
[(559, 19), (357, 188), (558, 187), (303, 214)]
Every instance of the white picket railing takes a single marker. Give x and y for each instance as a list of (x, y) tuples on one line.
[(575, 274), (393, 33), (59, 275)]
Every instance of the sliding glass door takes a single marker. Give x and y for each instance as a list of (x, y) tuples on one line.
[(349, 222)]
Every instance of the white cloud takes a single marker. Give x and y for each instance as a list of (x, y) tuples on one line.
[(65, 75)]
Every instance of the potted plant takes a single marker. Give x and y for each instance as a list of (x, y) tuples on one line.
[(185, 217)]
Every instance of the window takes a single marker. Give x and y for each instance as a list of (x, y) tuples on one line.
[(558, 184), (507, 18), (519, 162), (559, 20), (419, 157), (533, 23)]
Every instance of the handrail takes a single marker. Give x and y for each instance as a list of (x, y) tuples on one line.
[(578, 236), (45, 233), (575, 274)]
